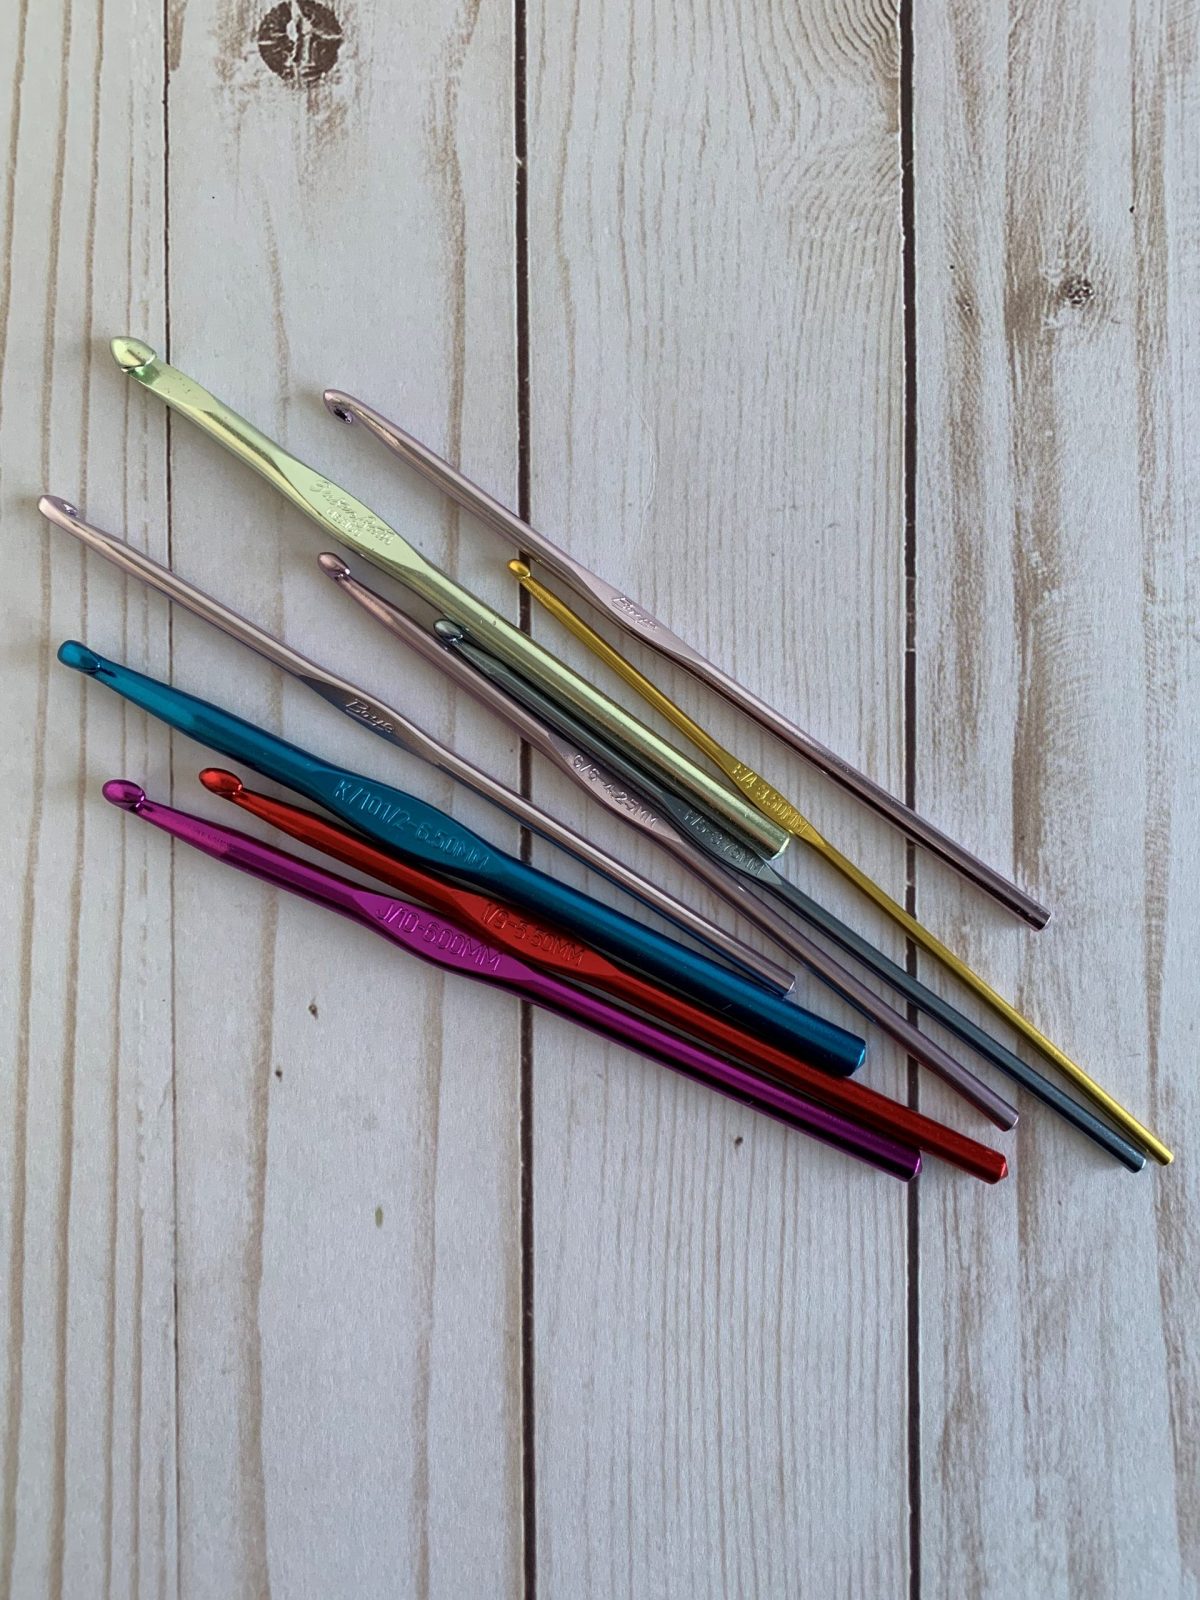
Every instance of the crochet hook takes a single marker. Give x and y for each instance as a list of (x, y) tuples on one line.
[(743, 869), (623, 789), (444, 945), (542, 946), (637, 620), (421, 833), (796, 823), (396, 729), (354, 524)]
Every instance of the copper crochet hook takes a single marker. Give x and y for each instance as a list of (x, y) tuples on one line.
[(635, 619)]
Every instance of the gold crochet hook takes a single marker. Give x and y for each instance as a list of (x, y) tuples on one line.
[(782, 811)]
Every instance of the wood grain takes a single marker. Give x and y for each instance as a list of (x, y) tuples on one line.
[(713, 251), (86, 1178), (276, 1291), (348, 1274), (1056, 220)]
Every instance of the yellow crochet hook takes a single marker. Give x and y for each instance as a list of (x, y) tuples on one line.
[(781, 810)]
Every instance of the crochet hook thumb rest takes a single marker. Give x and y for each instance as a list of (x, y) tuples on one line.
[(420, 832), (445, 945)]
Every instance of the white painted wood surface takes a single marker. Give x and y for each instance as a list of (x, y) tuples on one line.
[(282, 1312)]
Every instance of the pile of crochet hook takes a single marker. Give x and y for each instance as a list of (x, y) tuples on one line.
[(700, 999)]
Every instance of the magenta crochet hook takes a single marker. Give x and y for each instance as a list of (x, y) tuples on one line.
[(440, 942)]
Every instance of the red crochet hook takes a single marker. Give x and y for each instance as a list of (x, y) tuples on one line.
[(544, 946)]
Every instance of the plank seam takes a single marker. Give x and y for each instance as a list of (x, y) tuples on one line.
[(524, 496), (170, 538), (909, 431)]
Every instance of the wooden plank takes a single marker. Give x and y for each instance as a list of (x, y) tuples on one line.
[(86, 1175), (716, 398), (348, 1162), (1056, 218)]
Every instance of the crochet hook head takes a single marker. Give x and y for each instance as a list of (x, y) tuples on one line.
[(130, 354), (79, 658), (220, 782), (124, 793)]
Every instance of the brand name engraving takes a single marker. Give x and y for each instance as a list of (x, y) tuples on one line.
[(360, 709), (350, 517), (442, 937), (362, 798), (534, 934), (627, 608), (599, 779)]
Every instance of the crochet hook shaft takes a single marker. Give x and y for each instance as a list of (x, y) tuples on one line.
[(635, 619), (354, 524), (796, 823), (745, 868), (542, 946), (444, 945), (396, 729), (624, 793), (421, 833)]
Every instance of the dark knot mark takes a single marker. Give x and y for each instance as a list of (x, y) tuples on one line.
[(1076, 290), (299, 40)]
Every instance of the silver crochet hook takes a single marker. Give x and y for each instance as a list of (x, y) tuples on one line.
[(635, 619), (398, 730)]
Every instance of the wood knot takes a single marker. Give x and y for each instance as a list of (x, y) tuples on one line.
[(1075, 290), (299, 40)]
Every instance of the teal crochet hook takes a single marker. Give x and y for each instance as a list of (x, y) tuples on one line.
[(418, 832)]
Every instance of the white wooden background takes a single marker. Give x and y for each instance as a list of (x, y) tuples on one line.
[(863, 344)]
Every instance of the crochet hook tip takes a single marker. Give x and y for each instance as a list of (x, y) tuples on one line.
[(448, 632), (124, 793), (77, 656), (129, 353), (56, 508), (333, 566), (218, 781), (519, 570), (338, 404)]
